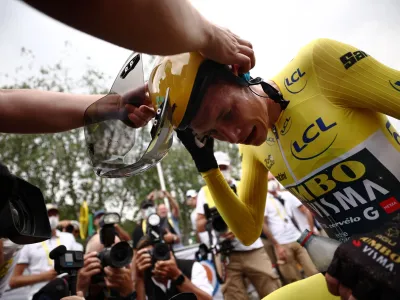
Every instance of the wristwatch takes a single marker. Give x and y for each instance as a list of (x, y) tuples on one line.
[(178, 281), (131, 296)]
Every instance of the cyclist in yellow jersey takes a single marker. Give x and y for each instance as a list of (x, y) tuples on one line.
[(320, 127)]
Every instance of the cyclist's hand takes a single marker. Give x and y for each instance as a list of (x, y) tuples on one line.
[(367, 266), (227, 48), (202, 156)]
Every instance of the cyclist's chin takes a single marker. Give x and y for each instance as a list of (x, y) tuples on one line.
[(261, 135)]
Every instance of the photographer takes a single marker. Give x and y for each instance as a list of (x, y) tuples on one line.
[(147, 208), (251, 261), (10, 253), (164, 279), (72, 227), (34, 258), (120, 280), (122, 234)]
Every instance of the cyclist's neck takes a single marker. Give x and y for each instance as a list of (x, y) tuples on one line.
[(274, 109)]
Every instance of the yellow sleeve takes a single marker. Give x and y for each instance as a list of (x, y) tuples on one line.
[(350, 77), (244, 214), (311, 288)]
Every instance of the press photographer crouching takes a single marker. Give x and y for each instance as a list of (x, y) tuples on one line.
[(107, 272), (159, 275)]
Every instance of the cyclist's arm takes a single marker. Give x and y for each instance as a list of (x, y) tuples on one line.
[(244, 214), (366, 83), (151, 26)]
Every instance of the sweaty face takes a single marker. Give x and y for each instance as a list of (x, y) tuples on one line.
[(232, 113)]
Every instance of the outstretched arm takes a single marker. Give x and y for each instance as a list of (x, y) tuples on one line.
[(35, 111), (151, 26), (173, 205)]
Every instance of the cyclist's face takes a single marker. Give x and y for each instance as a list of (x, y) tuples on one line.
[(233, 114)]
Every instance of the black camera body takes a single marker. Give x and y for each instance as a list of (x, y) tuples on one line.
[(217, 223), (69, 262), (161, 250), (22, 210)]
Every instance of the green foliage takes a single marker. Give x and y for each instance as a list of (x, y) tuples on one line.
[(59, 165)]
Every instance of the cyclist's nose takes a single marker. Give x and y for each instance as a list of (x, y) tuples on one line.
[(231, 134)]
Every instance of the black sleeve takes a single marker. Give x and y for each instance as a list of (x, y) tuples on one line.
[(137, 235)]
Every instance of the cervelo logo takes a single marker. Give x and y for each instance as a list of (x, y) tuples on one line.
[(348, 221), (395, 85), (311, 134), (296, 76)]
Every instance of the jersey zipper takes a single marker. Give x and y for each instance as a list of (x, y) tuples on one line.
[(275, 132)]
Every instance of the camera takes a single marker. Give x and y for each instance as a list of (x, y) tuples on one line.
[(67, 262), (155, 230), (222, 246), (118, 255), (217, 223), (22, 210), (214, 219)]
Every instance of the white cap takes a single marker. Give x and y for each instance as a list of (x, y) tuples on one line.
[(191, 193), (51, 206), (222, 158), (75, 224)]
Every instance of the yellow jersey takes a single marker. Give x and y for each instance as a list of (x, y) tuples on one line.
[(332, 147)]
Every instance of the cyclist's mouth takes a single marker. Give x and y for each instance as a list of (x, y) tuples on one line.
[(251, 137)]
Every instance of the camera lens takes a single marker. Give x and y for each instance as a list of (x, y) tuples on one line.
[(20, 216), (15, 217), (219, 224), (161, 251), (120, 255)]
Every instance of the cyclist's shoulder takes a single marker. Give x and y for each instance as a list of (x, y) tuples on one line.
[(325, 45), (324, 50)]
